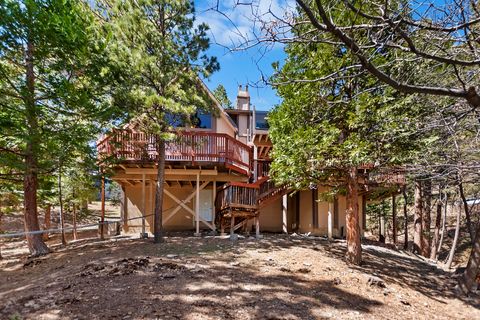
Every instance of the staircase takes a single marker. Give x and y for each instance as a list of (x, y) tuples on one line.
[(237, 203)]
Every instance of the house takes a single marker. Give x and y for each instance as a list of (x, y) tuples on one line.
[(216, 178)]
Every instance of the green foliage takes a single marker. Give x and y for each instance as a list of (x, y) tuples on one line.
[(221, 94), (63, 109), (159, 44), (333, 117)]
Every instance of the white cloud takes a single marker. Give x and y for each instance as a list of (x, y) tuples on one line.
[(238, 23)]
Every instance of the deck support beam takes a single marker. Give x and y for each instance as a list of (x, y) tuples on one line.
[(284, 213), (197, 207), (330, 220), (257, 227), (143, 235)]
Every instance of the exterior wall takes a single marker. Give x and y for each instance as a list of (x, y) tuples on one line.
[(306, 216), (271, 217), (221, 126), (182, 220)]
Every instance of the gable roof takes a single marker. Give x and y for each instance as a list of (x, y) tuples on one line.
[(223, 114)]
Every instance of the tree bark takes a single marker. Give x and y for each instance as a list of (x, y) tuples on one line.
[(1, 215), (75, 236), (417, 219), (455, 240), (60, 202), (102, 209), (394, 220), (35, 242), (467, 212), (444, 223), (405, 216), (158, 213), (354, 248), (426, 218), (436, 234), (469, 280)]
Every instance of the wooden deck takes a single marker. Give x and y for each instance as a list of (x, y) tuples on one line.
[(188, 147)]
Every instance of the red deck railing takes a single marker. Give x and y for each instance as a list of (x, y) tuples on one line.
[(188, 146)]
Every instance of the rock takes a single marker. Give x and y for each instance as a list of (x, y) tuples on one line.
[(337, 281), (405, 302), (172, 256), (376, 281), (303, 270), (307, 264)]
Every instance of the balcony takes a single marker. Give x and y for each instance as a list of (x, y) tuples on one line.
[(194, 148)]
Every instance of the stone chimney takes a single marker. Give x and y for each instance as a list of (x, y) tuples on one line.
[(243, 98)]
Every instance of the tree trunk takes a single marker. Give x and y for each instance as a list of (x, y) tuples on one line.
[(354, 248), (102, 209), (394, 220), (426, 218), (417, 219), (444, 223), (467, 212), (60, 202), (35, 242), (436, 234), (158, 213), (405, 216), (469, 280), (1, 215), (75, 236), (455, 240)]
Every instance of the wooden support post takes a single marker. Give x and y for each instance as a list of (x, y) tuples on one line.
[(214, 196), (232, 226), (381, 236), (394, 220), (143, 207), (197, 207), (75, 236), (257, 227), (330, 220), (255, 163), (102, 209), (152, 199), (284, 213), (125, 208)]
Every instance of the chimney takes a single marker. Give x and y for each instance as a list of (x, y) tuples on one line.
[(243, 98)]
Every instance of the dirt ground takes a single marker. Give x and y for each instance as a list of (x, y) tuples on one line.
[(277, 277)]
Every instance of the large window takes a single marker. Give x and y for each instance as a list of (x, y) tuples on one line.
[(261, 120), (201, 120)]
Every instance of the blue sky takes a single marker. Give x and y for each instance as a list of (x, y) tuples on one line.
[(229, 30)]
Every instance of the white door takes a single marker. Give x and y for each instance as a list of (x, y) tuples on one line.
[(206, 205)]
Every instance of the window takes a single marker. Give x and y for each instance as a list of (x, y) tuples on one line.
[(202, 120), (261, 120)]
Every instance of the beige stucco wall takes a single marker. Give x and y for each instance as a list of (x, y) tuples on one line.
[(222, 126), (182, 220), (306, 219), (271, 217)]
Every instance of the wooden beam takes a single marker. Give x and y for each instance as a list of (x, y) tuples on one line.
[(197, 207), (184, 171), (181, 204)]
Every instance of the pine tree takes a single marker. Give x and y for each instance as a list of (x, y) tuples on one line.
[(52, 66), (164, 52), (221, 94)]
